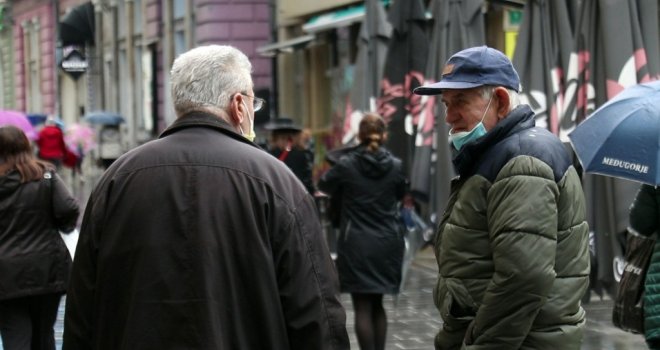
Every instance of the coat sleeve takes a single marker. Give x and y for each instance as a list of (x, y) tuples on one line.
[(522, 223), (643, 211), (308, 284), (330, 182), (79, 316), (65, 207)]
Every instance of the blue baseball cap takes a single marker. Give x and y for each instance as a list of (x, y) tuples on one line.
[(473, 67)]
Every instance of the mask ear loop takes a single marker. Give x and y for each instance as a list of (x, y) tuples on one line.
[(248, 114), (487, 106)]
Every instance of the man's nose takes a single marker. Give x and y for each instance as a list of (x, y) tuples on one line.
[(451, 116)]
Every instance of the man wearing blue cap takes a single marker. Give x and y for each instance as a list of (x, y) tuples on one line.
[(512, 246)]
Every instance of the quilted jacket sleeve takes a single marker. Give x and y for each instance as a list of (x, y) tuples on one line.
[(522, 221)]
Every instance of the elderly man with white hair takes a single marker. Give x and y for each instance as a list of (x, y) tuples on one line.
[(200, 239)]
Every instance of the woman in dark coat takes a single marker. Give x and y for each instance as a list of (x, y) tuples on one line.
[(370, 246), (34, 261)]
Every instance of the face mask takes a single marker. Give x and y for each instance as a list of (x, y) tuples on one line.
[(251, 135), (459, 139)]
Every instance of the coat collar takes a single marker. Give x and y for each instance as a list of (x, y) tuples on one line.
[(205, 120)]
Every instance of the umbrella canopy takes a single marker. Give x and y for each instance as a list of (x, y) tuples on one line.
[(104, 118), (404, 71), (543, 48), (20, 120), (80, 138), (36, 118), (372, 46), (615, 46), (620, 138), (457, 25), (77, 26)]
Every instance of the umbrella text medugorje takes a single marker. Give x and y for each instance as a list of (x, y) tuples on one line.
[(640, 168)]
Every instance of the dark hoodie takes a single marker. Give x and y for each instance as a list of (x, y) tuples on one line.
[(370, 245)]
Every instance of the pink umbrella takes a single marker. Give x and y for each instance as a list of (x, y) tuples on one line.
[(80, 138), (20, 120)]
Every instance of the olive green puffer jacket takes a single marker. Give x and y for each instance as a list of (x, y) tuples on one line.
[(512, 246)]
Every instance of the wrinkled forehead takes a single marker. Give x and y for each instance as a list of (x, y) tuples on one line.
[(453, 95)]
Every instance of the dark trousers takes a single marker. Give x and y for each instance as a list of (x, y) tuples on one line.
[(27, 323)]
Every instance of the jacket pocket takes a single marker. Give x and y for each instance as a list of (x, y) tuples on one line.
[(456, 306)]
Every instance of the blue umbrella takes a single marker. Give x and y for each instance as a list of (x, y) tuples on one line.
[(104, 118), (622, 137), (36, 119)]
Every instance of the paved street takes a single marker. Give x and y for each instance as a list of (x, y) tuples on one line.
[(413, 320)]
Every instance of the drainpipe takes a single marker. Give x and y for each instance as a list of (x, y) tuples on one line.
[(99, 102), (57, 109), (274, 94), (130, 61)]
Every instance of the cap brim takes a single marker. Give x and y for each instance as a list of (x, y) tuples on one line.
[(436, 88)]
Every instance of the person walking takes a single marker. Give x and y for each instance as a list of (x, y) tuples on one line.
[(286, 145), (51, 143), (34, 261), (201, 239), (370, 246), (512, 246), (643, 215)]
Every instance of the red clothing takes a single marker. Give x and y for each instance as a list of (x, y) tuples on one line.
[(51, 143)]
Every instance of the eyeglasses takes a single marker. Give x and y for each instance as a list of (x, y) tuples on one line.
[(257, 103)]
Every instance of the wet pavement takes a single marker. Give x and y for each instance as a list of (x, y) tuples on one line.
[(413, 319)]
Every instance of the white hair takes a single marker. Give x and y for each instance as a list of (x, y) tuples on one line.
[(205, 78), (514, 98)]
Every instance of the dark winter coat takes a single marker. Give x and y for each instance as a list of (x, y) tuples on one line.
[(33, 258), (512, 246), (645, 220), (202, 240), (301, 162), (370, 246)]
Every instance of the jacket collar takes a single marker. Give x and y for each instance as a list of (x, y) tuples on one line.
[(205, 120), (520, 118)]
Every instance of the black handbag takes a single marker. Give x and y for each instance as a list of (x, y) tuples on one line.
[(628, 311)]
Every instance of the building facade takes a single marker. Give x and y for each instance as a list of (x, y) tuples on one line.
[(73, 57), (316, 50)]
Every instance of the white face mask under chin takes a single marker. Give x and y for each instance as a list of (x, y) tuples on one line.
[(251, 135)]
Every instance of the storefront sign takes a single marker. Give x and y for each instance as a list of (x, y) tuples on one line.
[(74, 63)]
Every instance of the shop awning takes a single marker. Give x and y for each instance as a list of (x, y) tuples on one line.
[(285, 46), (335, 19), (2, 16), (77, 26)]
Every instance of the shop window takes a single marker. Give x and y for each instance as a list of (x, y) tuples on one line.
[(137, 16), (32, 63), (121, 18), (178, 9)]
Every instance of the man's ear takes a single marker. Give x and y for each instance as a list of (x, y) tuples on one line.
[(237, 108), (503, 102)]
